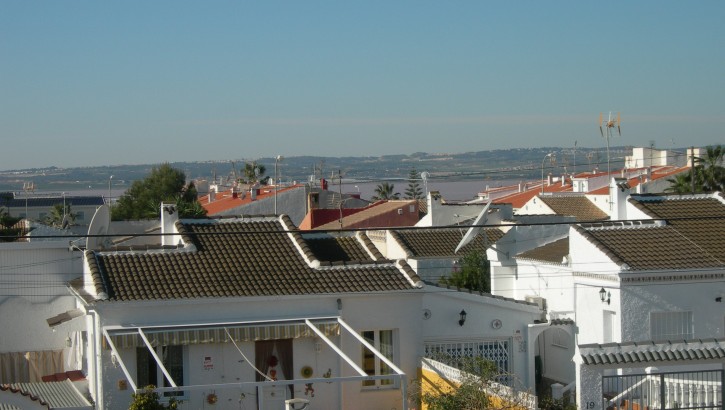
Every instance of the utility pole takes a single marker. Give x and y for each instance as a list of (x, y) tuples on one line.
[(692, 168)]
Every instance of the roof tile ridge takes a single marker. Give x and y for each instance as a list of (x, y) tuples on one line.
[(409, 274), (99, 279), (369, 246), (185, 235), (395, 235), (298, 241), (599, 245)]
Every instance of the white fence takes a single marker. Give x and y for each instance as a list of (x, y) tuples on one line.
[(524, 398)]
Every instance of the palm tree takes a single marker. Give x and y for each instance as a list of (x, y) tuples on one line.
[(250, 173), (60, 215), (712, 171), (680, 184), (385, 191)]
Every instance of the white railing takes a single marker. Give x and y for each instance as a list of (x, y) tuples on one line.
[(679, 392), (507, 393)]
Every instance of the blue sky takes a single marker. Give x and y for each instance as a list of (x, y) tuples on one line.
[(101, 83)]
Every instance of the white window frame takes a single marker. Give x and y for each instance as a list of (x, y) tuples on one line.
[(671, 325), (393, 383)]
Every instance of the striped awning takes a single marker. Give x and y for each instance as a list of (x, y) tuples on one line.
[(190, 336)]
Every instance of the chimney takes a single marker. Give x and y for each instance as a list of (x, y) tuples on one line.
[(619, 189), (521, 186), (548, 180), (563, 180), (169, 216)]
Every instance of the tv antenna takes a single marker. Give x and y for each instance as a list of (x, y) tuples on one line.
[(609, 124)]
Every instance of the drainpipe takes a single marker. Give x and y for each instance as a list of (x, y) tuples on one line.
[(95, 362)]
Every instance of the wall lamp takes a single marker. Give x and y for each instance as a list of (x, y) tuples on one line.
[(605, 296), (462, 319)]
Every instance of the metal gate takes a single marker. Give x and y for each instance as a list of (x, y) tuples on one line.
[(452, 352), (670, 390)]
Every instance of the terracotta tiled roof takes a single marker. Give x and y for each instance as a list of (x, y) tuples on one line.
[(378, 209), (519, 199), (551, 252), (706, 233), (226, 200), (633, 182), (235, 258), (689, 235), (579, 207), (653, 352), (442, 242)]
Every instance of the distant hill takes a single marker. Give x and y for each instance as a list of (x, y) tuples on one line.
[(521, 163)]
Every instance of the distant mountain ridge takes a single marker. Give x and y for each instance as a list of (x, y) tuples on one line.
[(515, 163)]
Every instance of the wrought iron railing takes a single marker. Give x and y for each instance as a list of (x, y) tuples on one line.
[(671, 390)]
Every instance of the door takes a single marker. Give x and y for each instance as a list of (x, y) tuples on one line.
[(274, 358)]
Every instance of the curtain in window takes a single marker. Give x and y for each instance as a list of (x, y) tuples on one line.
[(24, 367), (284, 352), (386, 349), (263, 350)]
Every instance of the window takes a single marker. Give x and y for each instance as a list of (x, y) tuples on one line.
[(670, 325), (382, 340), (560, 338), (148, 372)]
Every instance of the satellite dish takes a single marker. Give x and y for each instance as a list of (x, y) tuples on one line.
[(99, 226), (424, 175), (474, 230)]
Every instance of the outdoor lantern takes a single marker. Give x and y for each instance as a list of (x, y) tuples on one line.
[(605, 296), (462, 320)]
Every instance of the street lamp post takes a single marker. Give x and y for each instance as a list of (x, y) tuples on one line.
[(549, 155), (342, 202), (109, 190), (276, 164)]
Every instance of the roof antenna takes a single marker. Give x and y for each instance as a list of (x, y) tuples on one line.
[(609, 124)]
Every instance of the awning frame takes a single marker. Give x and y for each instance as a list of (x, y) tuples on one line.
[(109, 331)]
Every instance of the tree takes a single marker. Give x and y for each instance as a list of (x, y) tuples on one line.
[(164, 184), (479, 388), (682, 184), (413, 191), (60, 215), (7, 232), (148, 399), (252, 175), (713, 174), (474, 273), (385, 191)]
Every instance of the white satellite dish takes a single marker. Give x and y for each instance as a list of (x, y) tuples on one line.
[(475, 229), (99, 226)]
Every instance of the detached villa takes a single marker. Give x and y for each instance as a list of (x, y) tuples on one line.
[(249, 312)]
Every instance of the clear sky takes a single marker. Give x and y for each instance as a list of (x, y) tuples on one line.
[(128, 82)]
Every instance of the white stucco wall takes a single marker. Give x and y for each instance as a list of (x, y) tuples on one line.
[(553, 282), (675, 295), (445, 306), (33, 277), (363, 312)]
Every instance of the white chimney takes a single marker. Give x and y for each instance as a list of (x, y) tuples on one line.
[(169, 216), (620, 190)]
